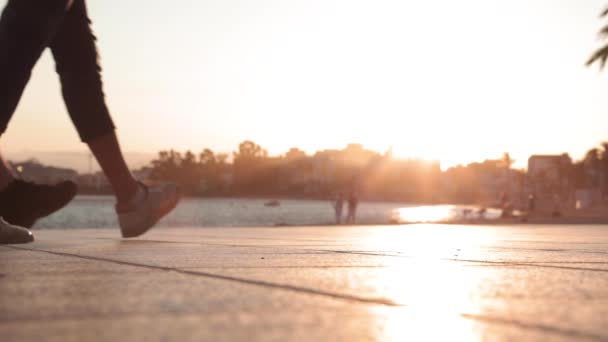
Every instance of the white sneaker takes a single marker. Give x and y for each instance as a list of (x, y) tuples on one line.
[(11, 234), (143, 213)]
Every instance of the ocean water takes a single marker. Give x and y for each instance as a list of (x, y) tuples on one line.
[(98, 212)]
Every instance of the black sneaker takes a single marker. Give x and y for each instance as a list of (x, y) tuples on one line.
[(22, 203)]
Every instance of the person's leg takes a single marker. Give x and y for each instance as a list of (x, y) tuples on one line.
[(350, 217), (26, 28), (138, 207), (76, 59), (107, 152), (7, 175)]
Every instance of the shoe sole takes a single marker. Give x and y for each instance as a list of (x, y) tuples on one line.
[(19, 239)]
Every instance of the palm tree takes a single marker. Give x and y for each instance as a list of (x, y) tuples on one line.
[(601, 55)]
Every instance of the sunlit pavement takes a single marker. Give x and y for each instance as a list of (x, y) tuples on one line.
[(414, 283)]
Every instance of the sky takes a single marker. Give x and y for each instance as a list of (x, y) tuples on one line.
[(456, 81)]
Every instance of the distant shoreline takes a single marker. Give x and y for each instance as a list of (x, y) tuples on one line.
[(597, 217), (287, 197)]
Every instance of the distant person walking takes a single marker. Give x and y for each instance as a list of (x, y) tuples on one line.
[(531, 203), (353, 203), (27, 28), (338, 207)]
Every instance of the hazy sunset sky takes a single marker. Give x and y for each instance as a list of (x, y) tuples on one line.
[(451, 80)]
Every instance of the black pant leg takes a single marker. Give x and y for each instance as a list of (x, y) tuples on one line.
[(77, 63), (26, 29)]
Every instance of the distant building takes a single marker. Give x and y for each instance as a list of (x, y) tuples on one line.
[(548, 179), (552, 169), (504, 181)]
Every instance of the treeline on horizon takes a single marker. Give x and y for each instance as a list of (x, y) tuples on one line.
[(251, 171), (373, 176)]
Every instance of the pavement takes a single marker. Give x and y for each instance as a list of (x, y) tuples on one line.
[(392, 283)]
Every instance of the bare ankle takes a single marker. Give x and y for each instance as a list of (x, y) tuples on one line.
[(128, 194)]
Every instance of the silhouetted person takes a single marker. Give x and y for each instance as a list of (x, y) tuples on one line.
[(556, 206), (531, 203), (504, 199), (481, 213), (353, 202), (505, 205), (27, 28), (338, 207)]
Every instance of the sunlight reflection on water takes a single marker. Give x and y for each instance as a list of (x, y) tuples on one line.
[(443, 213)]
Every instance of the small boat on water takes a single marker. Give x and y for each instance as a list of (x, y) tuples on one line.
[(273, 203)]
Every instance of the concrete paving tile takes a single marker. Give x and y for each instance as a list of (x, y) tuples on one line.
[(419, 282)]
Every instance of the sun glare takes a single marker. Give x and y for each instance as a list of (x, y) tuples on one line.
[(425, 214), (428, 289)]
